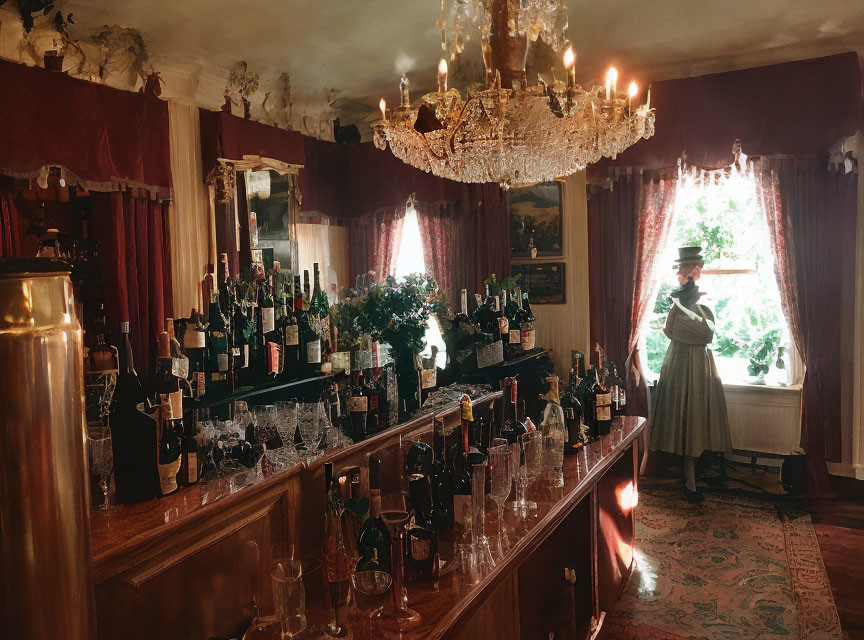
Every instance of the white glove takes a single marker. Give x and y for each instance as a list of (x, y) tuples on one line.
[(692, 314)]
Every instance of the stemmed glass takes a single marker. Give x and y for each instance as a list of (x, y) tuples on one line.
[(396, 617), (501, 483), (286, 427), (101, 457), (310, 422)]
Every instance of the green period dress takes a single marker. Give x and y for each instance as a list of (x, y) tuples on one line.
[(689, 405)]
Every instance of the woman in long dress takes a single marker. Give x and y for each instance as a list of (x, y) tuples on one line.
[(690, 406)]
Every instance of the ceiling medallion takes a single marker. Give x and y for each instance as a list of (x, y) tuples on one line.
[(509, 132)]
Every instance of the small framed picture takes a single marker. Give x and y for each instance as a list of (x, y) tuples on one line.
[(544, 281), (535, 221)]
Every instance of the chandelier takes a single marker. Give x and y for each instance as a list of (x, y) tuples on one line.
[(506, 131)]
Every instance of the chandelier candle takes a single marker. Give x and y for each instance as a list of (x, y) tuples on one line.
[(442, 76)]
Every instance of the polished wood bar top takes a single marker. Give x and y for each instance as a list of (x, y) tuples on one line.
[(447, 605), (193, 517)]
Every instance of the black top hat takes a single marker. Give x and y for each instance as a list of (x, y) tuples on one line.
[(689, 255)]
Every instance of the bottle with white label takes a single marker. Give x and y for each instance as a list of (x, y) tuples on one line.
[(461, 474), (358, 408), (170, 400)]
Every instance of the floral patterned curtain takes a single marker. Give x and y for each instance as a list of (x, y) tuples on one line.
[(375, 240), (656, 206), (436, 231)]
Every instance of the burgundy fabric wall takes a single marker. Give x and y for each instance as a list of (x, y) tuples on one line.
[(795, 108), (226, 136), (100, 134), (131, 233)]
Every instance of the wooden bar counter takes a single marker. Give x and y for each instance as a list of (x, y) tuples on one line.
[(185, 566)]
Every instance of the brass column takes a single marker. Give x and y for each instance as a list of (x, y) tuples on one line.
[(46, 568)]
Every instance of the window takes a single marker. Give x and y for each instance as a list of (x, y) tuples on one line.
[(410, 260), (751, 340)]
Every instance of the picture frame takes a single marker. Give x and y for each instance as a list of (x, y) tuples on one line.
[(544, 281), (536, 221)]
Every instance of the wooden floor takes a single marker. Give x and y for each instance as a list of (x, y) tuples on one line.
[(839, 525)]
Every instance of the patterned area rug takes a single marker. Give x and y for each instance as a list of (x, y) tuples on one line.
[(728, 568)]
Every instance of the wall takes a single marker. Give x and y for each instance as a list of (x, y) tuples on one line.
[(563, 327)]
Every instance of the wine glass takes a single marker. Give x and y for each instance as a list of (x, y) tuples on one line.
[(370, 591), (397, 617), (289, 597), (286, 426), (310, 423), (501, 481), (101, 457)]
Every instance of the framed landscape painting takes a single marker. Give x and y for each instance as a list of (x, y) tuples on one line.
[(544, 281), (535, 221)]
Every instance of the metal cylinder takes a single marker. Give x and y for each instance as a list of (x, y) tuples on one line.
[(46, 568)]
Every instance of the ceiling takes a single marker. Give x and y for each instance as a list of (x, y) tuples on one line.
[(359, 47)]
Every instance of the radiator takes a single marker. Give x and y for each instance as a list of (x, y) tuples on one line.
[(764, 419)]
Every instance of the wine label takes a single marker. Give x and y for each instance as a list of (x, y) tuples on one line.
[(569, 413), (462, 509), (420, 548), (603, 406), (358, 404), (604, 398), (428, 378), (200, 381), (245, 355), (604, 413), (514, 391), (191, 468), (490, 354), (292, 335), (180, 367), (373, 403), (194, 339), (326, 367), (272, 357), (527, 339), (222, 361), (313, 352), (515, 336), (622, 398), (172, 405), (168, 476), (504, 326), (268, 319)]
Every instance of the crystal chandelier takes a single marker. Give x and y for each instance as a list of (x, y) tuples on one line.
[(508, 132)]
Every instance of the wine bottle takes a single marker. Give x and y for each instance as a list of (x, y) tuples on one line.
[(195, 344), (358, 406), (189, 452), (220, 363), (442, 480), (526, 325), (310, 337), (462, 316), (171, 401), (602, 396), (373, 422), (503, 320), (133, 433), (462, 469), (422, 539), (374, 541)]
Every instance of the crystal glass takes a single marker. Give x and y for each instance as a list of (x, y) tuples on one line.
[(532, 447), (101, 457), (370, 591), (501, 485), (480, 543), (395, 618), (285, 424), (554, 437), (310, 422), (289, 597)]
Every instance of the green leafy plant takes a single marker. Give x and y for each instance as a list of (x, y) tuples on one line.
[(764, 352)]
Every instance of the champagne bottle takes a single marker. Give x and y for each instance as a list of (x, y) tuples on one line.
[(462, 469), (133, 433), (422, 539), (220, 362), (526, 325), (308, 333), (503, 320), (374, 542)]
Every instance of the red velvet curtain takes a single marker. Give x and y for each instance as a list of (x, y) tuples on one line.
[(10, 244), (811, 209), (375, 240), (481, 235), (131, 233)]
